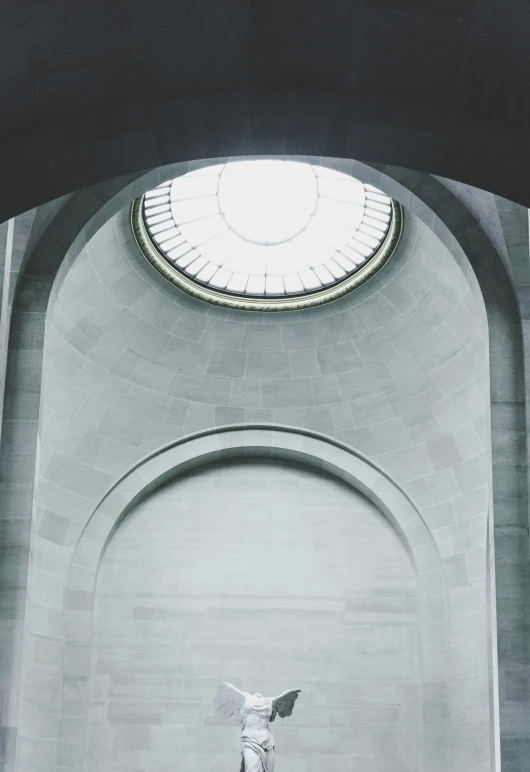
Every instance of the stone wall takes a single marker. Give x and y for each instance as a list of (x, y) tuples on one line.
[(270, 576), (397, 370)]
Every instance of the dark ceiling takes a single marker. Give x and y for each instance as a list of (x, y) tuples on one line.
[(91, 89)]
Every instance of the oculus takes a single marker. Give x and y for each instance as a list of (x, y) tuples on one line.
[(266, 234)]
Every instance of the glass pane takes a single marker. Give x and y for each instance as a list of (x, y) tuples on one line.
[(182, 249), (324, 275), (221, 278), (247, 258), (156, 218), (345, 262), (165, 235), (375, 206), (339, 235), (155, 200), (292, 283), (161, 227), (151, 210), (194, 209), (358, 246), (380, 197), (285, 258), (364, 238), (220, 247), (267, 202), (207, 272), (310, 280), (256, 285), (382, 217), (353, 255), (335, 269), (195, 267), (379, 225), (238, 282), (174, 242), (370, 231), (274, 285), (186, 259), (322, 231), (199, 231), (340, 189), (343, 213)]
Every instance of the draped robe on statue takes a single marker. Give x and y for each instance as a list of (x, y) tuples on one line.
[(256, 738)]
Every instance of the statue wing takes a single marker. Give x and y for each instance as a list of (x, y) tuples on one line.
[(228, 701), (283, 704)]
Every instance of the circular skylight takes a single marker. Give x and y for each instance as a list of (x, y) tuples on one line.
[(266, 233)]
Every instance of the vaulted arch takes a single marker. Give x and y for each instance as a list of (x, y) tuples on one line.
[(84, 213)]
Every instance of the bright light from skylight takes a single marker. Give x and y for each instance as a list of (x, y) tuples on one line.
[(267, 202), (267, 228)]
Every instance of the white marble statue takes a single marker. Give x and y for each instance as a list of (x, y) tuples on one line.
[(254, 712)]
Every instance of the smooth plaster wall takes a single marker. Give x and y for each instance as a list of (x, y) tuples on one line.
[(270, 576), (398, 370)]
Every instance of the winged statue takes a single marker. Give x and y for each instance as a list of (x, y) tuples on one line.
[(254, 712)]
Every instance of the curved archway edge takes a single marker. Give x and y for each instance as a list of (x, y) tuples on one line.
[(198, 450), (279, 442)]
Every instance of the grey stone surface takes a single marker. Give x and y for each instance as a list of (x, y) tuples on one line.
[(190, 625), (452, 413), (357, 378)]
